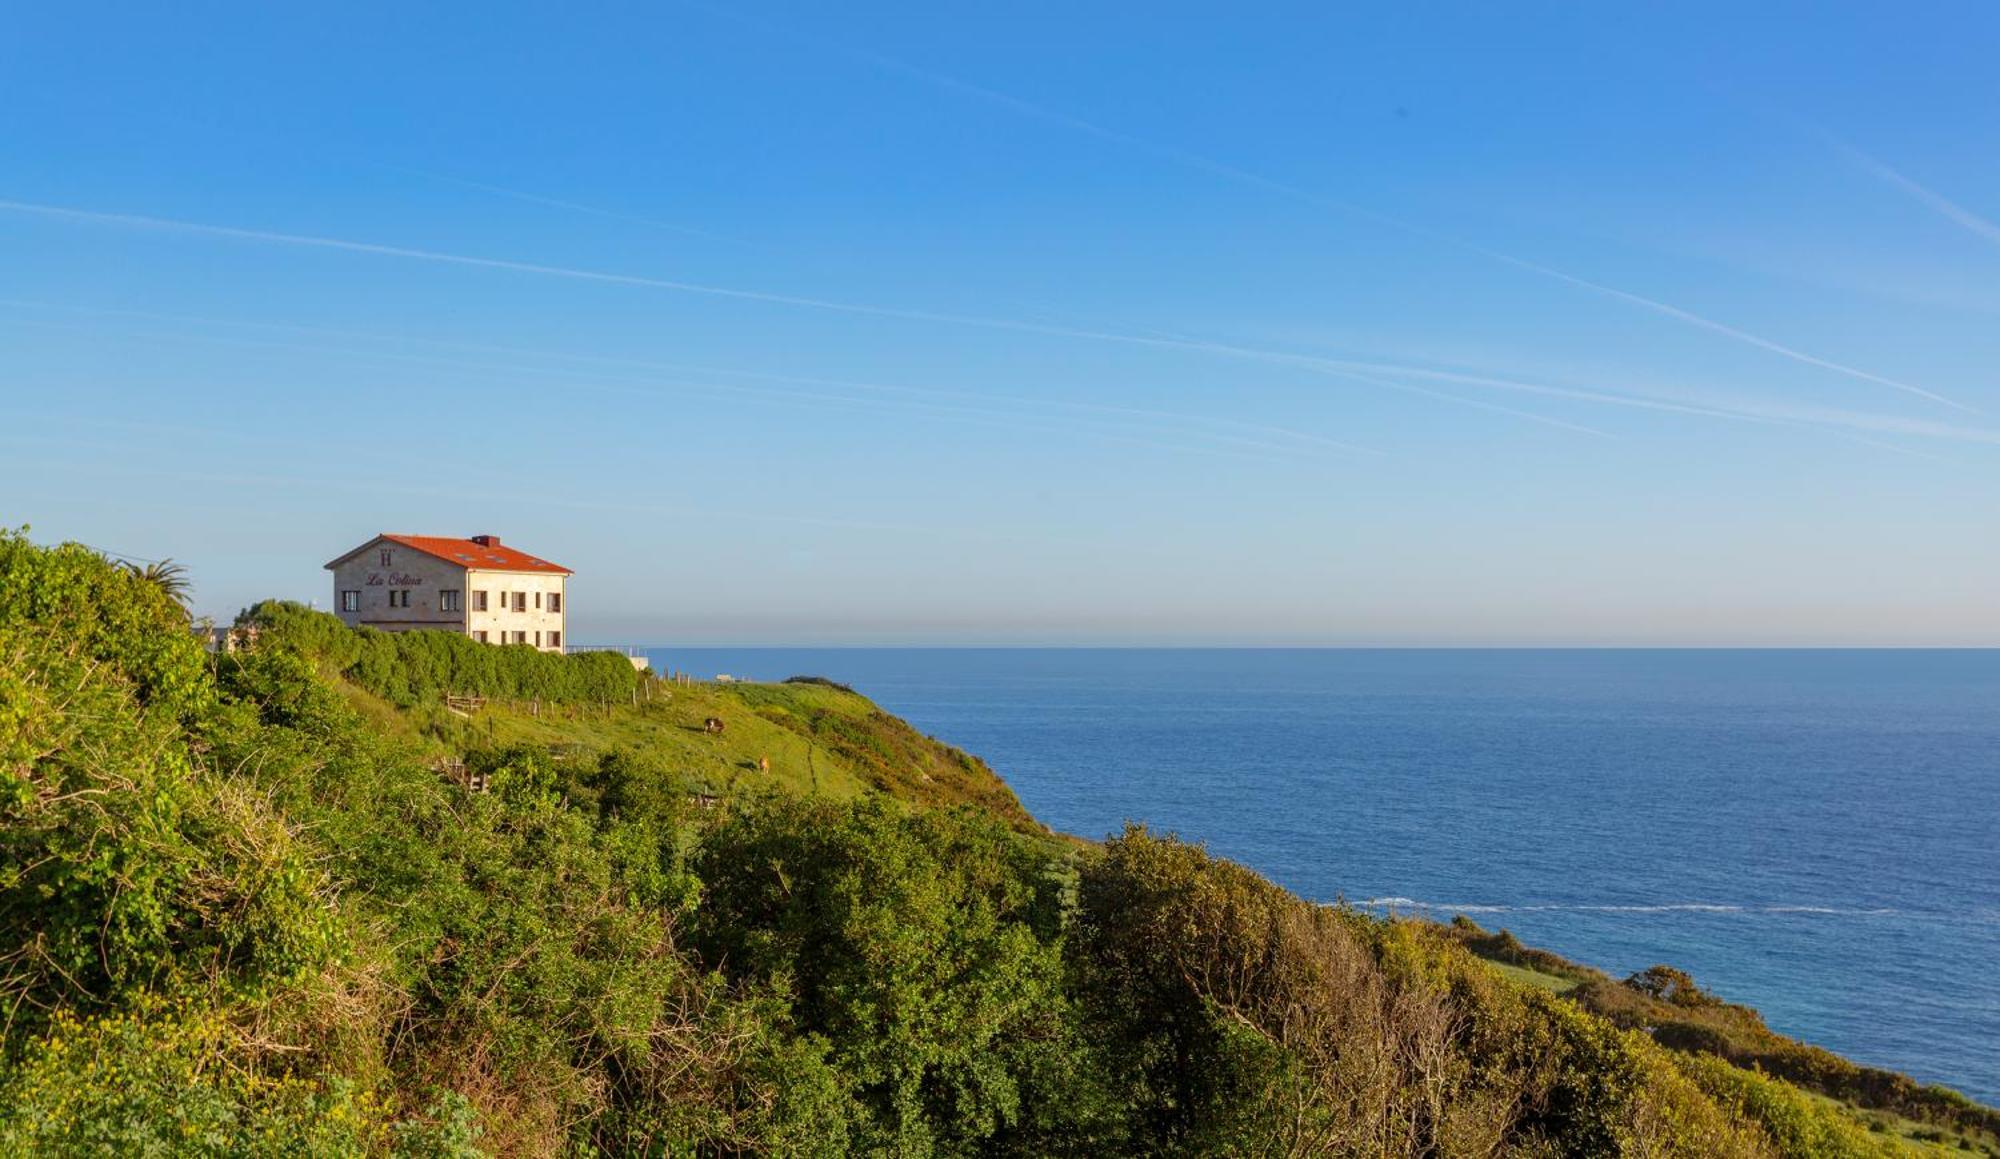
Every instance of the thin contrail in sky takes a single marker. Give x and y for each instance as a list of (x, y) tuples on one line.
[(1370, 379), (1734, 409), (917, 400), (1512, 384), (941, 399), (1270, 185), (1378, 374), (959, 529), (272, 237), (558, 203), (1945, 207)]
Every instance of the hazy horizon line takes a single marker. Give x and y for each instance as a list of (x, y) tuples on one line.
[(1242, 647)]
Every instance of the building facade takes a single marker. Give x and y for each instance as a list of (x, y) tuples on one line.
[(476, 586)]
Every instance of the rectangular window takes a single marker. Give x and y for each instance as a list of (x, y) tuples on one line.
[(520, 601), (385, 557), (479, 601), (555, 639), (520, 637), (538, 601), (538, 639), (399, 598), (479, 636), (350, 601), (448, 600), (555, 601)]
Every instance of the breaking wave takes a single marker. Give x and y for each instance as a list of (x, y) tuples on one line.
[(1409, 903)]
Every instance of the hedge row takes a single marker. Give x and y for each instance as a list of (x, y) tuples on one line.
[(411, 667)]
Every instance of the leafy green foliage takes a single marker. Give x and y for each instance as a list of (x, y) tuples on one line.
[(1503, 946), (244, 910), (925, 948), (1674, 987), (160, 1082), (1245, 1020), (125, 867), (1796, 1124), (413, 667), (1680, 1015), (103, 615)]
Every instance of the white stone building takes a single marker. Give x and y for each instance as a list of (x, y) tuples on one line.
[(493, 593)]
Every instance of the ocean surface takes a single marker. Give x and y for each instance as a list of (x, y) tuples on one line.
[(1814, 833)]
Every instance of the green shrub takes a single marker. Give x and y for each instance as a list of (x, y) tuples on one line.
[(408, 668), (1796, 1124), (126, 864), (103, 614), (171, 1082), (1239, 1017), (924, 948), (1672, 986)]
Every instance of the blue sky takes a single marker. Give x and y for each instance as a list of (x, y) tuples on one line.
[(1030, 323)]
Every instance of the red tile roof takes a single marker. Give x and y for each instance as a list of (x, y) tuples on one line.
[(469, 554)]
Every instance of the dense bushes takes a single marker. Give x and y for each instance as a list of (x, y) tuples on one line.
[(1678, 1014), (1796, 1124), (410, 667), (1674, 987), (157, 919), (234, 919), (925, 949), (1503, 946), (237, 919), (160, 1082), (102, 614), (1243, 1020), (125, 867)]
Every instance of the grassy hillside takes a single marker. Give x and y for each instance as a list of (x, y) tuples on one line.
[(807, 735), (801, 737), (248, 907)]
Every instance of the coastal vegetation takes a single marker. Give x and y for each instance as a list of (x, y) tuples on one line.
[(248, 907), (1668, 1005), (411, 668)]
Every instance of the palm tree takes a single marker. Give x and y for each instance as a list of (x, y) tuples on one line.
[(170, 577)]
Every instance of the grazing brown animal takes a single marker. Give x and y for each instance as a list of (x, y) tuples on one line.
[(763, 764), (712, 724)]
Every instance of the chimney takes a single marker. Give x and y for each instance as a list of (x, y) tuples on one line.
[(486, 540)]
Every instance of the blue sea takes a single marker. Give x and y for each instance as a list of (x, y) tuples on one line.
[(1814, 833)]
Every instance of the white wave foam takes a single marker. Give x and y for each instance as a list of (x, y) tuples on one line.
[(1690, 907), (1696, 907)]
